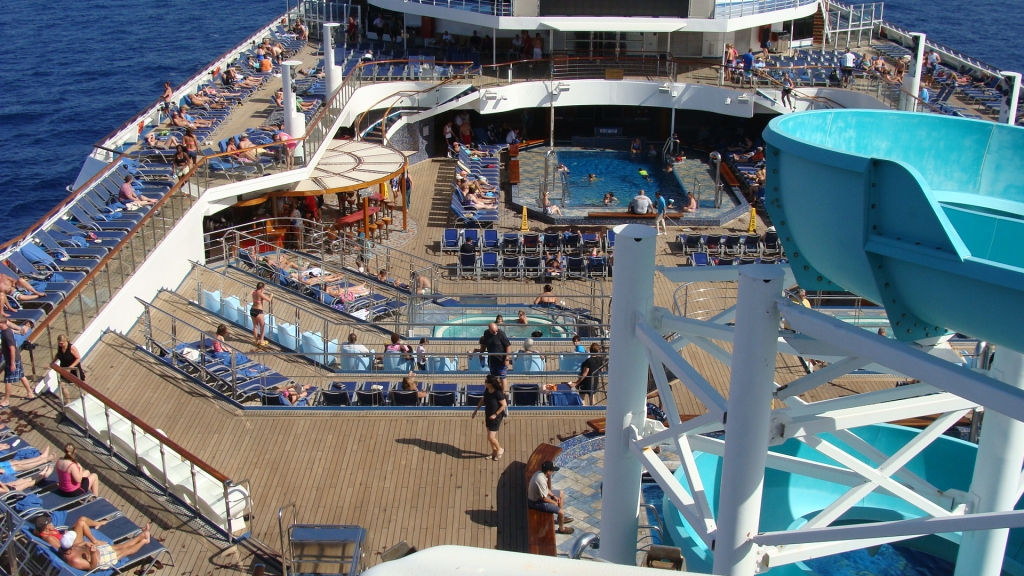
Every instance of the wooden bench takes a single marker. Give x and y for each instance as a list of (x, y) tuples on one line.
[(540, 525), (631, 215)]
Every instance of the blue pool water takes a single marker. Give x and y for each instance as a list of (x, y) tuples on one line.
[(472, 326), (887, 561), (616, 172)]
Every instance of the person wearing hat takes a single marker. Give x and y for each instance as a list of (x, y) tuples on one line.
[(13, 371), (540, 496), (85, 555)]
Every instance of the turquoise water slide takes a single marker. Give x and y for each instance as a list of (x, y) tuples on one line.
[(790, 500), (921, 213)]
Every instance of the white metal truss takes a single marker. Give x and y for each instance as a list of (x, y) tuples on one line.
[(944, 388)]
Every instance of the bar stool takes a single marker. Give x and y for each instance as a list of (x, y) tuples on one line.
[(384, 227)]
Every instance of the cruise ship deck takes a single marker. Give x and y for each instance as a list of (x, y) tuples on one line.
[(418, 476)]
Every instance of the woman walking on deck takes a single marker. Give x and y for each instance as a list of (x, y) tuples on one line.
[(495, 405)]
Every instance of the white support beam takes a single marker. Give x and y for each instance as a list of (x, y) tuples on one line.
[(831, 420), (820, 376), (863, 399), (716, 351), (913, 362), (895, 529), (894, 463), (919, 484), (675, 492), (691, 327), (680, 274), (700, 496), (668, 401), (791, 464), (872, 475), (661, 351), (789, 554), (684, 429)]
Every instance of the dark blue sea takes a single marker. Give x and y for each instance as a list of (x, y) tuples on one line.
[(74, 71)]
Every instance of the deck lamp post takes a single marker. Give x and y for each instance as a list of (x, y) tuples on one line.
[(1008, 110), (912, 81)]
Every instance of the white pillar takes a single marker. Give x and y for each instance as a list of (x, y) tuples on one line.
[(912, 81), (996, 473), (294, 122), (747, 419), (633, 294), (333, 72), (1008, 112)]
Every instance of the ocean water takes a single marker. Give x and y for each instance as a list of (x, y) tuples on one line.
[(75, 71)]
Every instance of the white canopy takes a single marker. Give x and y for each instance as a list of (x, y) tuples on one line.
[(350, 165)]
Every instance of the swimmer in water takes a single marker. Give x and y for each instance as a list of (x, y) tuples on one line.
[(643, 174), (592, 177)]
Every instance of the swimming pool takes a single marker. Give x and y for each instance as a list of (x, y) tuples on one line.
[(473, 325), (616, 172)]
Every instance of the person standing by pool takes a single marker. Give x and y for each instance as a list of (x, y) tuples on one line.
[(259, 297), (495, 405), (547, 298), (634, 148), (497, 346), (659, 214), (587, 384)]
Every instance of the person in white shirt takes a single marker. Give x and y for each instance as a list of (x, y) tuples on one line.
[(349, 349), (641, 204), (847, 61), (540, 497), (511, 137)]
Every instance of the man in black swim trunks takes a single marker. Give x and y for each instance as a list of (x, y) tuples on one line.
[(497, 346), (259, 297)]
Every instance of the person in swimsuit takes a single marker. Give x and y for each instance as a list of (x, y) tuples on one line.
[(20, 484), (259, 297), (72, 479), (71, 360), (88, 556), (220, 339), (547, 298), (191, 145), (10, 468), (45, 530), (495, 405), (166, 96), (181, 162)]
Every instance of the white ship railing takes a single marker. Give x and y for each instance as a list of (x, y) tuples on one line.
[(725, 9)]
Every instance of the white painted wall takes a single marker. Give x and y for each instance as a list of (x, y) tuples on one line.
[(636, 93)]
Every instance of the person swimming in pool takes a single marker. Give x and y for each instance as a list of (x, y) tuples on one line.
[(643, 174), (591, 177), (610, 199)]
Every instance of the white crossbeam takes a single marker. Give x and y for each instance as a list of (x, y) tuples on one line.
[(830, 420), (681, 274), (691, 327), (875, 455), (675, 492), (782, 555), (894, 463), (663, 353), (895, 528), (863, 399), (791, 464), (913, 362), (872, 475), (686, 428), (820, 376)]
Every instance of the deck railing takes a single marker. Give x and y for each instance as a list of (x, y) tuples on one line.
[(738, 8), (223, 502)]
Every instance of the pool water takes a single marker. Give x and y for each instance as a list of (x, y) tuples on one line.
[(473, 326), (886, 561), (616, 172)]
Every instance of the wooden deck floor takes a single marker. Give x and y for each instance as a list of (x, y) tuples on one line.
[(418, 477)]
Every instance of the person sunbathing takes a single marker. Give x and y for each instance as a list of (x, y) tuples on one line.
[(313, 276), (295, 392), (49, 533), (349, 293), (200, 100), (477, 202), (22, 484), (409, 385), (197, 122), (248, 150), (91, 556), (553, 265), (19, 289), (166, 144)]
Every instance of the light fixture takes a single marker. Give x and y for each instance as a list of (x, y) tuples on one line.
[(664, 88), (490, 95), (728, 100), (743, 97)]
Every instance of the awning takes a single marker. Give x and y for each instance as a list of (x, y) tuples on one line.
[(350, 165), (613, 24)]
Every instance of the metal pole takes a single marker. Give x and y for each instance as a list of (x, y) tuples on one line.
[(748, 419), (717, 158), (996, 473), (633, 293), (912, 83)]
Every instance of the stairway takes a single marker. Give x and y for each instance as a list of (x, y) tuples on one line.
[(441, 200)]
